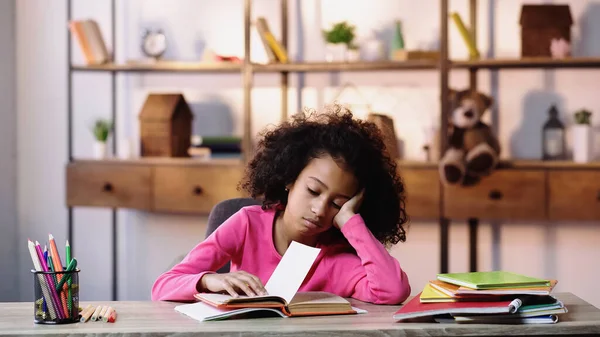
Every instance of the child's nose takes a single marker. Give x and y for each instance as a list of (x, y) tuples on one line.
[(318, 207)]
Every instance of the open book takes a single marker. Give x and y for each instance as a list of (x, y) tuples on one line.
[(303, 303), (283, 300)]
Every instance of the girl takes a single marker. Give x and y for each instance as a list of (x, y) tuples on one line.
[(325, 180)]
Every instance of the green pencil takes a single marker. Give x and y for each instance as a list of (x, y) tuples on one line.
[(67, 263)]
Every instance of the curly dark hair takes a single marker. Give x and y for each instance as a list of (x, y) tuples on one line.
[(284, 151)]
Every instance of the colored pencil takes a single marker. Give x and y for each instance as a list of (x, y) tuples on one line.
[(57, 264), (51, 284), (37, 266)]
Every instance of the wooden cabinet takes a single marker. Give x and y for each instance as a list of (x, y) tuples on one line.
[(194, 189), (183, 185), (422, 192), (574, 195), (109, 185), (504, 195), (153, 185)]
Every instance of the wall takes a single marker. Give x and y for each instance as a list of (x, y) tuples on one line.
[(149, 243), (8, 166)]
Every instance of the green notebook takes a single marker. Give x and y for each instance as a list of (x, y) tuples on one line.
[(492, 279)]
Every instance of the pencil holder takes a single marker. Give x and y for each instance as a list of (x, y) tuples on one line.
[(56, 298)]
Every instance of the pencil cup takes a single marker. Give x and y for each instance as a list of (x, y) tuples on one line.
[(56, 297)]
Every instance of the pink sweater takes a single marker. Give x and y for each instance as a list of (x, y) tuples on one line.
[(364, 270)]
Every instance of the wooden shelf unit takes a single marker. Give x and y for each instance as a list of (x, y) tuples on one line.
[(301, 67), (529, 63), (518, 190), (163, 66)]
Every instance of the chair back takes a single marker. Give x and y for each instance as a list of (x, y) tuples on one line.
[(221, 212)]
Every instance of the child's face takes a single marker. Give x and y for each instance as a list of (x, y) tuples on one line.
[(317, 195)]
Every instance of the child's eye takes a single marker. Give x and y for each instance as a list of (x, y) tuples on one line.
[(336, 205), (313, 192)]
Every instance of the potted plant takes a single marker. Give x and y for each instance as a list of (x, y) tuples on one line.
[(582, 136), (101, 130), (338, 39)]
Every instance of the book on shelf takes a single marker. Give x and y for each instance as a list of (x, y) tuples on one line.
[(275, 50), (88, 35), (466, 35), (283, 299)]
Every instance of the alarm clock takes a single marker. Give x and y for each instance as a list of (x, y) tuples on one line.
[(154, 43)]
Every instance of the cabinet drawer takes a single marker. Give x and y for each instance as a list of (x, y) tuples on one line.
[(574, 195), (195, 189), (422, 193), (108, 185), (504, 195)]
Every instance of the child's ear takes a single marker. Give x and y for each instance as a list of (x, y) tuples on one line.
[(486, 100), (452, 94)]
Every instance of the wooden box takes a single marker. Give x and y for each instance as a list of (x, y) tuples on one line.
[(165, 126), (411, 55), (542, 23)]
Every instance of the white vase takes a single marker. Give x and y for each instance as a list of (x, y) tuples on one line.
[(582, 143), (336, 52), (353, 55), (372, 50), (99, 150)]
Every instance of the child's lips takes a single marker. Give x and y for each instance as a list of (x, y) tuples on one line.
[(312, 222)]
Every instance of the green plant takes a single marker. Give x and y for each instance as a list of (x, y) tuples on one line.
[(583, 116), (341, 32), (102, 128)]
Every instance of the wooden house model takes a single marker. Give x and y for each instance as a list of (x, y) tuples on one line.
[(165, 126), (542, 23)]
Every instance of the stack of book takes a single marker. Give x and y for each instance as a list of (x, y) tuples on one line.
[(494, 297)]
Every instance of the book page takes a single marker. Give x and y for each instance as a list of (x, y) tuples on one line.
[(291, 270)]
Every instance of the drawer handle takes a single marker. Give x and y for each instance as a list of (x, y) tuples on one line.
[(495, 195), (107, 187), (598, 196), (197, 190)]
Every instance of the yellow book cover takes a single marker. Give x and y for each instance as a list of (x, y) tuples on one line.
[(462, 29), (277, 48), (431, 295), (269, 38)]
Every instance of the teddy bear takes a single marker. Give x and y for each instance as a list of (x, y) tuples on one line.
[(473, 150)]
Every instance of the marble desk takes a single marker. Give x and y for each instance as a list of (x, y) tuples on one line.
[(159, 319)]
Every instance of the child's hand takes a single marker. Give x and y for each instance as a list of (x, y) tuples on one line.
[(234, 283), (348, 210)]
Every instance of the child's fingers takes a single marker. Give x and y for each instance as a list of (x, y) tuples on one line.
[(243, 285), (256, 284), (228, 287)]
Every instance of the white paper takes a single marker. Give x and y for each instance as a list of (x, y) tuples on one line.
[(203, 312), (291, 270), (199, 310)]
